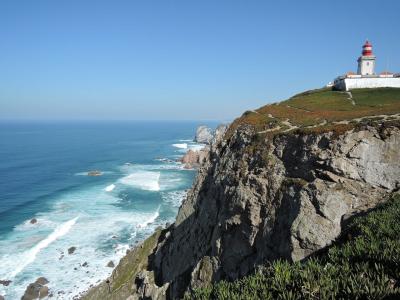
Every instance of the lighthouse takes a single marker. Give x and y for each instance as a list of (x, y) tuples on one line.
[(366, 77), (366, 62)]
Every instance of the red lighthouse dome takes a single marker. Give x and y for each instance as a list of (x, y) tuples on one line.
[(367, 49)]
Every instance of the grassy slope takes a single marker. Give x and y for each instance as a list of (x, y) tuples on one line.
[(320, 106), (364, 265)]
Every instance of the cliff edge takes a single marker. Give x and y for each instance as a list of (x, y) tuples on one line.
[(280, 183)]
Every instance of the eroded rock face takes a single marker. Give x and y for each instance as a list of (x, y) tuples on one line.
[(286, 199), (195, 158)]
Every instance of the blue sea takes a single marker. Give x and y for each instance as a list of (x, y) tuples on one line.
[(44, 175)]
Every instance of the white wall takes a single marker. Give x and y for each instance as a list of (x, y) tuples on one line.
[(366, 65), (360, 83)]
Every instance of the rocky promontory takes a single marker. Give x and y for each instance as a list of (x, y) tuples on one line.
[(280, 183)]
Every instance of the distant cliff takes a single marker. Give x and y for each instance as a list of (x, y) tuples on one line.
[(281, 182)]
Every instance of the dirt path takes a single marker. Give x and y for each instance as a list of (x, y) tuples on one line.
[(324, 122)]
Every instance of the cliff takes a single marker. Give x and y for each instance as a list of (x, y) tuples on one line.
[(281, 183)]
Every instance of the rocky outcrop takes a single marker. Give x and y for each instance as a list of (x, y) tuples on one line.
[(36, 290), (195, 158), (261, 197), (204, 135)]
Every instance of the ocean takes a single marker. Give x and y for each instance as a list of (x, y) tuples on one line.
[(44, 176)]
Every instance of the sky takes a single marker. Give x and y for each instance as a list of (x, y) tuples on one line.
[(180, 60)]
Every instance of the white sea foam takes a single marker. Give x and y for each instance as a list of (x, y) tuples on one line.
[(110, 188), (29, 256), (145, 180), (196, 147), (174, 198), (150, 220), (181, 146)]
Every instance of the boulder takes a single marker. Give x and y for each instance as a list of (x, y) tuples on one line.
[(5, 282), (110, 264), (33, 221), (36, 290), (71, 250), (1, 297), (42, 281)]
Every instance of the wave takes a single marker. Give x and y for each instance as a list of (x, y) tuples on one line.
[(181, 146), (110, 188), (145, 180), (174, 198), (196, 147), (150, 220), (29, 256)]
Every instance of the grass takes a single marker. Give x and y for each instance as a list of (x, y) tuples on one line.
[(124, 274), (364, 264), (313, 107)]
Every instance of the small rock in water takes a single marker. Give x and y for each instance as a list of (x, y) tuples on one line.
[(33, 221), (110, 264), (94, 173), (85, 264), (42, 281), (1, 297), (5, 282), (71, 250)]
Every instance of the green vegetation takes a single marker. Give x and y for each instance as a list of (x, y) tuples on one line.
[(124, 274), (364, 264), (320, 108)]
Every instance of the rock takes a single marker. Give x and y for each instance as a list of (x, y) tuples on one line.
[(33, 221), (85, 264), (1, 297), (195, 158), (110, 264), (219, 133), (71, 250), (5, 282), (36, 290), (94, 173), (204, 135), (42, 281)]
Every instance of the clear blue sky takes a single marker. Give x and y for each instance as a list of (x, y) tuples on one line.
[(180, 59)]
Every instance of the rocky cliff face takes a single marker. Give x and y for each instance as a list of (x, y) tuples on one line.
[(260, 197)]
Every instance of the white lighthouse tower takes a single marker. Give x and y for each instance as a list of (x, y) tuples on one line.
[(366, 62)]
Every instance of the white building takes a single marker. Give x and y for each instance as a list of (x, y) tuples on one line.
[(366, 77)]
